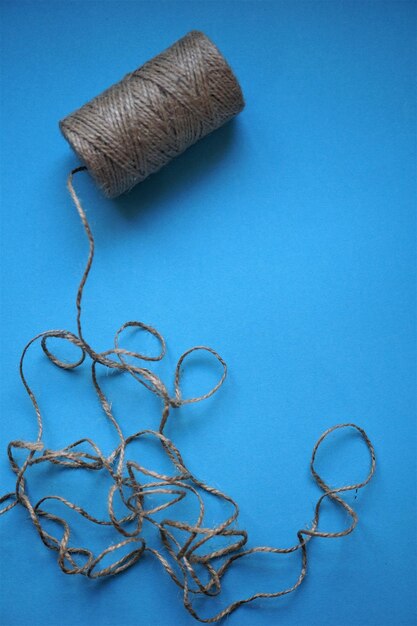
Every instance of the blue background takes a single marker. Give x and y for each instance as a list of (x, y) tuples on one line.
[(285, 241)]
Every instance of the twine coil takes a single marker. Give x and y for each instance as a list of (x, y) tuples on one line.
[(118, 156), (139, 124)]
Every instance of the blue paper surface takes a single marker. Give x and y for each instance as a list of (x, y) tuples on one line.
[(285, 240)]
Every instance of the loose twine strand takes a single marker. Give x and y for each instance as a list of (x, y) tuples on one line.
[(179, 560)]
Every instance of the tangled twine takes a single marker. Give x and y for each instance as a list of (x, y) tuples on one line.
[(180, 560), (139, 124)]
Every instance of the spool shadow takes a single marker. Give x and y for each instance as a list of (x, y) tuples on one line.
[(183, 172)]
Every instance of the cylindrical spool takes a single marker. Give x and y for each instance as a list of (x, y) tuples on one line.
[(139, 124)]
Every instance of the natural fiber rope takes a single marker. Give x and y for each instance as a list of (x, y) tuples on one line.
[(134, 490), (138, 125), (135, 484)]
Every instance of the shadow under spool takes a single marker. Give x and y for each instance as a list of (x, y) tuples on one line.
[(153, 114)]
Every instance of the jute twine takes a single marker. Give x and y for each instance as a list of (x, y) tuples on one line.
[(198, 561), (142, 122)]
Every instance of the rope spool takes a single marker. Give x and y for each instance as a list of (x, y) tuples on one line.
[(153, 114)]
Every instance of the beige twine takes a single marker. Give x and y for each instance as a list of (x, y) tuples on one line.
[(135, 484), (155, 113)]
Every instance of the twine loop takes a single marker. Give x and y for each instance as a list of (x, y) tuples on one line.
[(196, 563)]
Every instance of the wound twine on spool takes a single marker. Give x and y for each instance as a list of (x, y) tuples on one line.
[(132, 145), (155, 113)]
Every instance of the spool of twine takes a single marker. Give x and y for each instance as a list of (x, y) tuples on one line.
[(128, 132), (153, 114)]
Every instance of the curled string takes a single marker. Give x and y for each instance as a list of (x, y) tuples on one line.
[(137, 485)]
